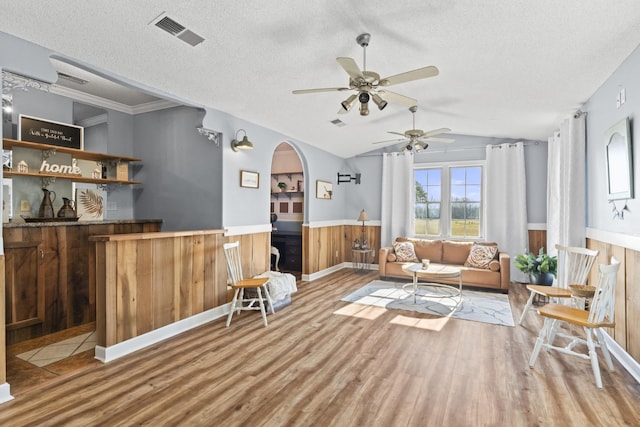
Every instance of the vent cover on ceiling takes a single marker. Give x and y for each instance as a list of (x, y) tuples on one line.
[(71, 78), (175, 29), (338, 122)]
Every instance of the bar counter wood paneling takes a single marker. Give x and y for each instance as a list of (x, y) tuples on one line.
[(47, 273), (145, 281)]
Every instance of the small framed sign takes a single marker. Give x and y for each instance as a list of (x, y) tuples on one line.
[(324, 189), (249, 179), (49, 132)]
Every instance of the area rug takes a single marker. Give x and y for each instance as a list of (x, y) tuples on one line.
[(486, 307)]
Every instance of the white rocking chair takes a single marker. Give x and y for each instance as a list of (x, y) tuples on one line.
[(574, 265), (600, 315)]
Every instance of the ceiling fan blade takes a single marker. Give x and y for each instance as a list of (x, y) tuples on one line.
[(396, 133), (420, 73), (435, 132), (350, 67), (324, 89), (438, 139), (396, 98), (389, 140)]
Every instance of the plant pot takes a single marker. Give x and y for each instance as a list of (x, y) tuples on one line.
[(545, 279)]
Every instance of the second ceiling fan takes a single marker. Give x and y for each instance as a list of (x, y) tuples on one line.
[(417, 139), (369, 86)]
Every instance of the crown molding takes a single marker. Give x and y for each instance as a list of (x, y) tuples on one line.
[(92, 121), (112, 105)]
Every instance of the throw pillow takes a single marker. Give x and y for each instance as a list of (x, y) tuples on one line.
[(480, 256), (404, 252), (494, 265), (391, 257)]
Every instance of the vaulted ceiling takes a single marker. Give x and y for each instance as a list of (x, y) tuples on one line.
[(509, 69)]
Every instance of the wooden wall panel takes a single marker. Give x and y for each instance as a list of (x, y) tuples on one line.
[(147, 281), (325, 247), (632, 279), (537, 240), (3, 347)]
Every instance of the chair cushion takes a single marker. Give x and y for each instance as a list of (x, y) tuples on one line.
[(404, 252), (481, 256)]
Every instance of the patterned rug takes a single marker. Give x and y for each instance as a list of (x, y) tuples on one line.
[(487, 307)]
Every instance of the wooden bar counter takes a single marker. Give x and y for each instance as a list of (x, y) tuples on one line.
[(147, 281), (47, 272)]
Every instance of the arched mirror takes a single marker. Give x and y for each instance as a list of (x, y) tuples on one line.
[(619, 161)]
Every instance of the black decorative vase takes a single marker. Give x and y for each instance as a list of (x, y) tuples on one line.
[(545, 279)]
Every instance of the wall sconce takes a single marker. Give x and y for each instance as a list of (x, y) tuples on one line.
[(244, 144), (346, 177)]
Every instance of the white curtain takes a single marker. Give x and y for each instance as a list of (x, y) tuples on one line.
[(506, 202), (566, 197), (397, 196)]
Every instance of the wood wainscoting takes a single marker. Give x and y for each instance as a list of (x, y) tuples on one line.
[(627, 313), (145, 281), (326, 247), (537, 240)]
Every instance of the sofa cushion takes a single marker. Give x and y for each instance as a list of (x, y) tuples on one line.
[(480, 256), (404, 252), (455, 252), (425, 248)]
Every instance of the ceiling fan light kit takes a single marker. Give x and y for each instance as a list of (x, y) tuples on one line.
[(368, 84)]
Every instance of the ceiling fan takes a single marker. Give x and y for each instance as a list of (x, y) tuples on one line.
[(368, 84), (417, 139)]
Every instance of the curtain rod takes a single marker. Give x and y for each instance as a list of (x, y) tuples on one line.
[(455, 150)]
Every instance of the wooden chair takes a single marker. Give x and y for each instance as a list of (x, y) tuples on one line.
[(574, 265), (275, 252), (600, 315), (239, 284)]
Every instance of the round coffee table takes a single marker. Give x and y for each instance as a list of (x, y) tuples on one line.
[(433, 272)]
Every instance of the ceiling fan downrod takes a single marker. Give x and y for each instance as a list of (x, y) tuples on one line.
[(363, 40)]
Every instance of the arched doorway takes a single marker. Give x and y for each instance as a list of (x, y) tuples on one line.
[(287, 208)]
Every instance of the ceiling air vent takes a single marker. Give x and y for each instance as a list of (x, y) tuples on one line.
[(71, 78), (175, 29), (338, 122)]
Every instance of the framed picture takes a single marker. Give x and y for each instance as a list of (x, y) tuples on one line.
[(90, 201), (324, 189), (42, 131), (249, 179), (7, 199)]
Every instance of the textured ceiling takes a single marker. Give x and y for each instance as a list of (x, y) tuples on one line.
[(508, 69)]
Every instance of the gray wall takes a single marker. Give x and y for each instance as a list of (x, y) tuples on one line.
[(601, 115), (181, 170)]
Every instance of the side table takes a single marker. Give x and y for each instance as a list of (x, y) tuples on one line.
[(361, 259)]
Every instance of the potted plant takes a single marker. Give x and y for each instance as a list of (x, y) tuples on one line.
[(541, 268), (282, 186)]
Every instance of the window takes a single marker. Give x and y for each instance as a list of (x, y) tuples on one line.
[(448, 201)]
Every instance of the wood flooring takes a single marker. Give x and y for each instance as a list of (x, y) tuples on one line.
[(323, 362)]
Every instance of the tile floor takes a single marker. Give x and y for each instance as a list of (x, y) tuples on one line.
[(55, 352), (23, 375)]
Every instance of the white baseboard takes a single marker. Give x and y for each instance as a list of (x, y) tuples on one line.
[(108, 354), (623, 357), (5, 393)]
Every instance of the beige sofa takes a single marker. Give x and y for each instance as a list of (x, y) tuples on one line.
[(449, 252)]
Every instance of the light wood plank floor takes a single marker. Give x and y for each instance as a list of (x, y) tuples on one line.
[(324, 362)]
